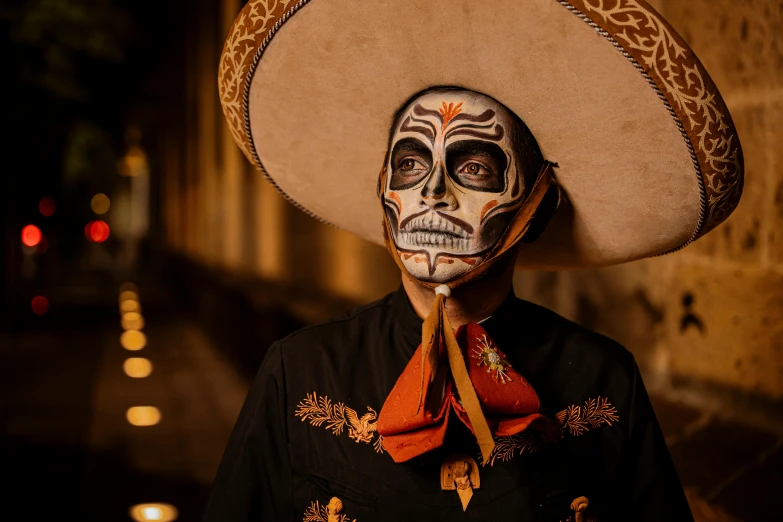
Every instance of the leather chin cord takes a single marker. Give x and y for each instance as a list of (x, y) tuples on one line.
[(436, 326)]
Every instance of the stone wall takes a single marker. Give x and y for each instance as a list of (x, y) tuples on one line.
[(710, 316)]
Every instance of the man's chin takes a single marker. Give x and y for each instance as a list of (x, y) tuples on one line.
[(443, 272)]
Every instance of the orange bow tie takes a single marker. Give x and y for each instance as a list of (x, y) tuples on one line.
[(412, 424)]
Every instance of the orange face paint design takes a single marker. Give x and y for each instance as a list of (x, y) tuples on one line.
[(486, 208), (394, 197), (448, 112)]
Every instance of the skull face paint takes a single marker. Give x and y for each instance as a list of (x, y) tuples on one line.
[(453, 182)]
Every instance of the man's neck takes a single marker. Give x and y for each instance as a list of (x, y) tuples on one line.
[(469, 303)]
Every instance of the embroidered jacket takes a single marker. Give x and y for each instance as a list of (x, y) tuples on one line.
[(306, 448)]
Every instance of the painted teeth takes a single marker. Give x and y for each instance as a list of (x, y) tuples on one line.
[(434, 239)]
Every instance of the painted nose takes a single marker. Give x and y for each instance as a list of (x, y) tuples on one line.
[(435, 193)]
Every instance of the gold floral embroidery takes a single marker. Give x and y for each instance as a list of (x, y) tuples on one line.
[(329, 513), (507, 447), (575, 420), (594, 413), (487, 354), (335, 417)]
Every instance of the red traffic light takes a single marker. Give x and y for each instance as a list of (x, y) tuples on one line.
[(97, 231), (47, 206), (31, 235), (40, 305)]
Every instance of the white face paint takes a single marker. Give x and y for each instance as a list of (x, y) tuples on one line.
[(452, 182)]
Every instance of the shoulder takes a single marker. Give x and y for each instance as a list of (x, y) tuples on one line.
[(574, 339), (582, 362), (344, 330)]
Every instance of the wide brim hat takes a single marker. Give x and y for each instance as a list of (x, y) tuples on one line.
[(647, 154)]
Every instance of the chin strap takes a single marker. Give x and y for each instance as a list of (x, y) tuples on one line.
[(437, 329)]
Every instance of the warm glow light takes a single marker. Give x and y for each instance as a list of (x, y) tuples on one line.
[(157, 512), (128, 287), (100, 204), (130, 306), (47, 206), (133, 340), (40, 305), (143, 415), (97, 231), (137, 367), (129, 295), (132, 321), (31, 235)]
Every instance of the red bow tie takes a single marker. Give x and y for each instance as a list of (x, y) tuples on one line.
[(507, 400)]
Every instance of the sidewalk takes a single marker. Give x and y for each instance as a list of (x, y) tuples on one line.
[(730, 471)]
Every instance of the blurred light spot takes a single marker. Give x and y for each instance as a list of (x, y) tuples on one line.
[(143, 416), (47, 206), (43, 246), (100, 203), (132, 321), (157, 512), (31, 235), (130, 306), (97, 231), (133, 340), (129, 295), (137, 367), (40, 305), (128, 287)]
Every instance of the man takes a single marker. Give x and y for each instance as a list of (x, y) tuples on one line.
[(450, 399)]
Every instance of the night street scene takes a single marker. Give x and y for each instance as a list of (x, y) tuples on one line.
[(146, 267)]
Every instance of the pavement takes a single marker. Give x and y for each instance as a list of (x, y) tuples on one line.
[(73, 455), (731, 470)]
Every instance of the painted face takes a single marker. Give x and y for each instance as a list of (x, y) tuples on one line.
[(452, 182)]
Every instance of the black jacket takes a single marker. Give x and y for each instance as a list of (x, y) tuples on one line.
[(307, 433)]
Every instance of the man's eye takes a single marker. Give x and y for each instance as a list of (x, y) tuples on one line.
[(410, 164), (474, 169)]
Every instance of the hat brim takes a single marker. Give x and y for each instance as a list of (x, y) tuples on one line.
[(648, 156)]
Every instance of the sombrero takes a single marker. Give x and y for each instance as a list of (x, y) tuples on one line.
[(646, 151)]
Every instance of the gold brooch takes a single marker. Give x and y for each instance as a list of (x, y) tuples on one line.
[(488, 355)]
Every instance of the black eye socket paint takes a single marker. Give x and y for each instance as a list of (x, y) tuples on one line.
[(409, 149), (488, 155)]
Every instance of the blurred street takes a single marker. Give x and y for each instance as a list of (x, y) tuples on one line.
[(65, 397)]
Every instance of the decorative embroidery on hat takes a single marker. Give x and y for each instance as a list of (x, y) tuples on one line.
[(575, 420), (328, 513), (335, 417), (647, 40), (487, 354), (257, 20)]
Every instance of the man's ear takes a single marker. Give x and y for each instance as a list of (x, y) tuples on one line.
[(544, 214)]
